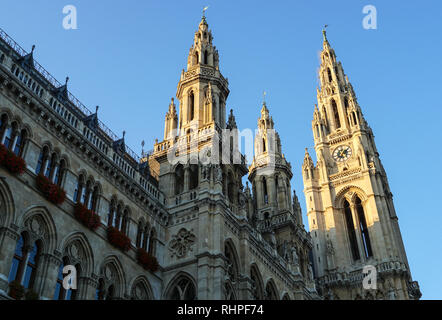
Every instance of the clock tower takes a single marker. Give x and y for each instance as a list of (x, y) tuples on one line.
[(350, 208)]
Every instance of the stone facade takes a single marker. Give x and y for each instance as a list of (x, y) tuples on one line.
[(183, 204)]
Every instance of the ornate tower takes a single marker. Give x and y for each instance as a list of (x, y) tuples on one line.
[(350, 209), (202, 90), (275, 215)]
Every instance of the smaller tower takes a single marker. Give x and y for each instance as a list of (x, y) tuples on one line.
[(171, 122)]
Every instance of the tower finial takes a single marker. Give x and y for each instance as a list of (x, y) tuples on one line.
[(324, 32), (33, 48), (67, 80), (264, 97), (204, 11), (124, 133), (96, 109)]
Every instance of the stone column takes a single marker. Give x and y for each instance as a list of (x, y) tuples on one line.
[(8, 242), (87, 287), (186, 178), (271, 190), (47, 274)]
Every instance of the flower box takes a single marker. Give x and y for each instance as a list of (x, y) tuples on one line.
[(50, 191), (118, 239), (11, 162), (148, 261), (16, 290), (87, 217)]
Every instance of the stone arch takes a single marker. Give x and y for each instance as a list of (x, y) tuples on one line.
[(256, 282), (112, 273), (38, 221), (141, 289), (286, 296), (84, 255), (181, 286), (341, 196), (229, 246), (271, 291), (7, 208)]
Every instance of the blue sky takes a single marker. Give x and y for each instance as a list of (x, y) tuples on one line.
[(126, 56)]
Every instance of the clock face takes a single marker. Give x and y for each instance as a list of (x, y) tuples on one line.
[(342, 153)]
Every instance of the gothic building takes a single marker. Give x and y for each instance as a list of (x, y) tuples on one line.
[(178, 222), (349, 203)]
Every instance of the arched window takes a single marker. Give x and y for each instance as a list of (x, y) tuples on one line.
[(152, 242), (112, 214), (264, 188), (196, 58), (140, 231), (257, 287), (18, 261), (60, 292), (42, 160), (93, 199), (206, 57), (19, 142), (59, 171), (2, 58), (191, 106), (179, 179), (31, 266), (363, 227), (125, 221), (264, 146), (193, 176), (330, 78), (270, 293), (183, 290), (351, 231), (336, 114), (100, 293), (9, 135)]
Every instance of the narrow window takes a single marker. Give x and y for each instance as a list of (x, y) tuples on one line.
[(18, 261), (31, 266), (336, 114), (191, 106), (330, 78), (351, 231), (364, 230), (264, 186), (206, 57)]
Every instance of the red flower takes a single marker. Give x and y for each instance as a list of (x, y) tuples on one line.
[(87, 217), (118, 239), (11, 162), (148, 261), (50, 191)]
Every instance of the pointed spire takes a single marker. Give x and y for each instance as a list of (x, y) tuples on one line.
[(308, 162), (28, 60), (231, 124)]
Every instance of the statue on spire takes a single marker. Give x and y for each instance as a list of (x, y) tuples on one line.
[(324, 32)]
